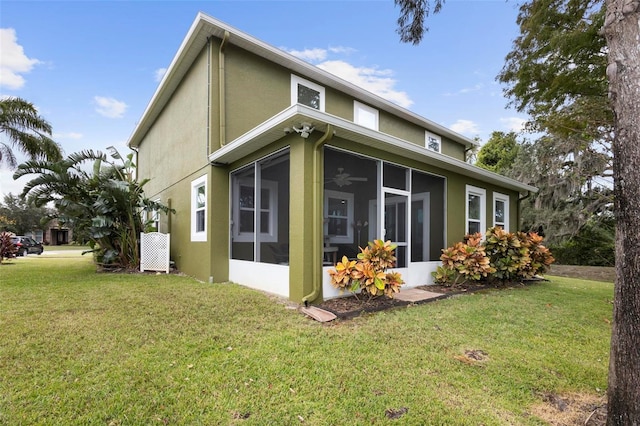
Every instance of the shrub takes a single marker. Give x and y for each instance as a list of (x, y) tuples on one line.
[(507, 254), (7, 248), (369, 273), (541, 258), (503, 256), (463, 262)]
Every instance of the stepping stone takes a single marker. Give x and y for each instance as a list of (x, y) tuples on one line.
[(415, 295), (318, 314)]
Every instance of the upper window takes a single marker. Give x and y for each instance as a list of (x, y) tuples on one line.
[(199, 209), (501, 210), (338, 213), (433, 142), (475, 209), (306, 93), (365, 115)]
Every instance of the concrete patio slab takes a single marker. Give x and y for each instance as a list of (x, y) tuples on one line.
[(416, 295)]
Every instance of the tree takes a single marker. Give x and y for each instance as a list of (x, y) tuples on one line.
[(25, 130), (555, 73), (20, 216), (622, 30), (571, 190), (561, 100), (499, 153), (104, 204)]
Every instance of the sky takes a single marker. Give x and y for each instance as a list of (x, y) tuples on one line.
[(91, 67)]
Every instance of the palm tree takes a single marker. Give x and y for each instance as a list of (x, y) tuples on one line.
[(25, 130), (103, 202)]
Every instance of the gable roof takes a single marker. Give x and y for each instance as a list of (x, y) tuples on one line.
[(205, 26)]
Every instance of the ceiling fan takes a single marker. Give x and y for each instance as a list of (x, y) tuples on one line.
[(344, 179)]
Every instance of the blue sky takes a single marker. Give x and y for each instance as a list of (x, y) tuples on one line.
[(91, 67)]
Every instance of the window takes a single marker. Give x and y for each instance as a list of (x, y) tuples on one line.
[(244, 208), (199, 209), (306, 93), (501, 210), (338, 213), (433, 142), (365, 115), (259, 202), (476, 208)]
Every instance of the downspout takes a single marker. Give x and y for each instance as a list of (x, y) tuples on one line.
[(208, 96), (221, 91), (318, 173)]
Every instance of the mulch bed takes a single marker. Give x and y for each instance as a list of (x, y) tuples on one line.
[(352, 306)]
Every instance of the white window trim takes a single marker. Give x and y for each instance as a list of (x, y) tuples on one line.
[(295, 81), (195, 184), (359, 108), (247, 237), (339, 239), (505, 199), (428, 135), (482, 193)]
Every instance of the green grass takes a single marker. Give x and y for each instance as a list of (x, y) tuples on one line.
[(80, 347)]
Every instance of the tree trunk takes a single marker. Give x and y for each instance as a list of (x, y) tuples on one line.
[(622, 30)]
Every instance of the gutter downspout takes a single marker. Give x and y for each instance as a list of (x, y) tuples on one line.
[(318, 177), (221, 91)]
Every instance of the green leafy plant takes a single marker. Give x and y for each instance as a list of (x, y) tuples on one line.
[(369, 273), (541, 258), (7, 248), (464, 262), (102, 203), (502, 256), (507, 254)]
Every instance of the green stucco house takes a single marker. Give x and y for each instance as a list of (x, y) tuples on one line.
[(276, 168)]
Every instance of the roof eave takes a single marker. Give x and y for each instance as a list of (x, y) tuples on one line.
[(273, 129)]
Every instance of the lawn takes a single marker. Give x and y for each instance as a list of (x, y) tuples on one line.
[(80, 347)]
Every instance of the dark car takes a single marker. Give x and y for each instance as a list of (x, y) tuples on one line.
[(26, 245)]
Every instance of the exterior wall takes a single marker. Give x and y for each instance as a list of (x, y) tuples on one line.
[(256, 90), (173, 153), (176, 144), (266, 90), (453, 149)]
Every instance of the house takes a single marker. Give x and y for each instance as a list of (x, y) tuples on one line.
[(276, 168)]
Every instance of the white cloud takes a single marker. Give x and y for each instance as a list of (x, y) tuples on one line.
[(70, 135), (13, 61), (466, 90), (110, 107), (374, 80), (159, 73), (513, 124), (310, 55), (465, 127), (342, 49)]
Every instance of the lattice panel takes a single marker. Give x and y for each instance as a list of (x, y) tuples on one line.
[(154, 252)]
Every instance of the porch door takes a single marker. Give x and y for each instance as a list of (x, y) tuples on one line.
[(396, 224)]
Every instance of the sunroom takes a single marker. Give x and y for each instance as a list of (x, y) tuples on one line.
[(299, 202)]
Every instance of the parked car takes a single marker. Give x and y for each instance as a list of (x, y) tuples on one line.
[(26, 245)]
